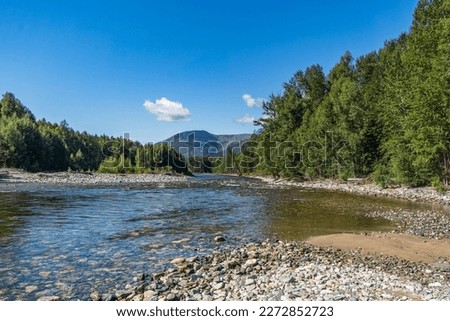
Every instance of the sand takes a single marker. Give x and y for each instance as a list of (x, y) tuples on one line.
[(408, 247)]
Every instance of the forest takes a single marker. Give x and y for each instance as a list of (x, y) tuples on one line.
[(43, 146), (384, 116)]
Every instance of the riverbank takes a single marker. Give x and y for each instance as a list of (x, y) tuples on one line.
[(414, 194), (410, 264), (79, 178), (367, 266), (280, 271)]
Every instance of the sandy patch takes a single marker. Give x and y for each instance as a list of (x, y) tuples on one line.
[(408, 247)]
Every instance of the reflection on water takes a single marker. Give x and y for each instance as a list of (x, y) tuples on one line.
[(71, 241), (12, 210), (300, 215)]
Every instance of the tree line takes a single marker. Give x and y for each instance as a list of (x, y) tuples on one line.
[(44, 146), (384, 115)]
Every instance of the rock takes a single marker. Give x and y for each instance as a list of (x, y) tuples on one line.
[(30, 288), (251, 262), (293, 271), (111, 297), (181, 241), (229, 264), (172, 297), (192, 259), (152, 247), (218, 286), (148, 295), (195, 277), (287, 279), (197, 297), (138, 297), (122, 294), (219, 239), (435, 285), (49, 298), (178, 261), (44, 274), (95, 296)]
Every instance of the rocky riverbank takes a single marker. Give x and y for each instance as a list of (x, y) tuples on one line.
[(415, 194), (275, 270), (429, 224), (75, 178)]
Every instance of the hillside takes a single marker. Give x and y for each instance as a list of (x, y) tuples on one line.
[(200, 143)]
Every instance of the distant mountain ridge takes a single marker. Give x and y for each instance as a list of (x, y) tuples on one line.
[(200, 143)]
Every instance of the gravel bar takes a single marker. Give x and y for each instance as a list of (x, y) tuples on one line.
[(414, 194), (280, 271), (76, 178)]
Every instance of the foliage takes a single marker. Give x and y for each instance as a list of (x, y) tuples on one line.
[(385, 114), (43, 146)]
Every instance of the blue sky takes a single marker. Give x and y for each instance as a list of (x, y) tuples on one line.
[(155, 68)]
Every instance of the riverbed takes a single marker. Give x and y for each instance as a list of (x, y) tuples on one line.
[(71, 240)]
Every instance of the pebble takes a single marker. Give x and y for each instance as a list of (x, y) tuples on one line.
[(49, 298), (95, 296), (30, 288), (148, 295), (44, 274), (111, 297), (219, 239), (152, 247), (251, 262), (178, 261), (305, 273)]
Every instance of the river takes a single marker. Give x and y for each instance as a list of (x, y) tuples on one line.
[(69, 241)]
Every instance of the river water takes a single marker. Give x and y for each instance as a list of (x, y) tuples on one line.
[(69, 241)]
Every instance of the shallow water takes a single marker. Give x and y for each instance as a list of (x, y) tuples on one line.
[(71, 240)]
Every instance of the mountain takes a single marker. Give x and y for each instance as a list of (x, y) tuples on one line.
[(200, 143)]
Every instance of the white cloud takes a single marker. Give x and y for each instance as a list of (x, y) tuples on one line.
[(167, 110), (245, 120), (252, 102)]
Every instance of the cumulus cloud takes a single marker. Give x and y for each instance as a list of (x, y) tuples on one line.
[(245, 120), (167, 110), (252, 102)]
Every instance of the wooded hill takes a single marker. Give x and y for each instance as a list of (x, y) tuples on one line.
[(384, 115)]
